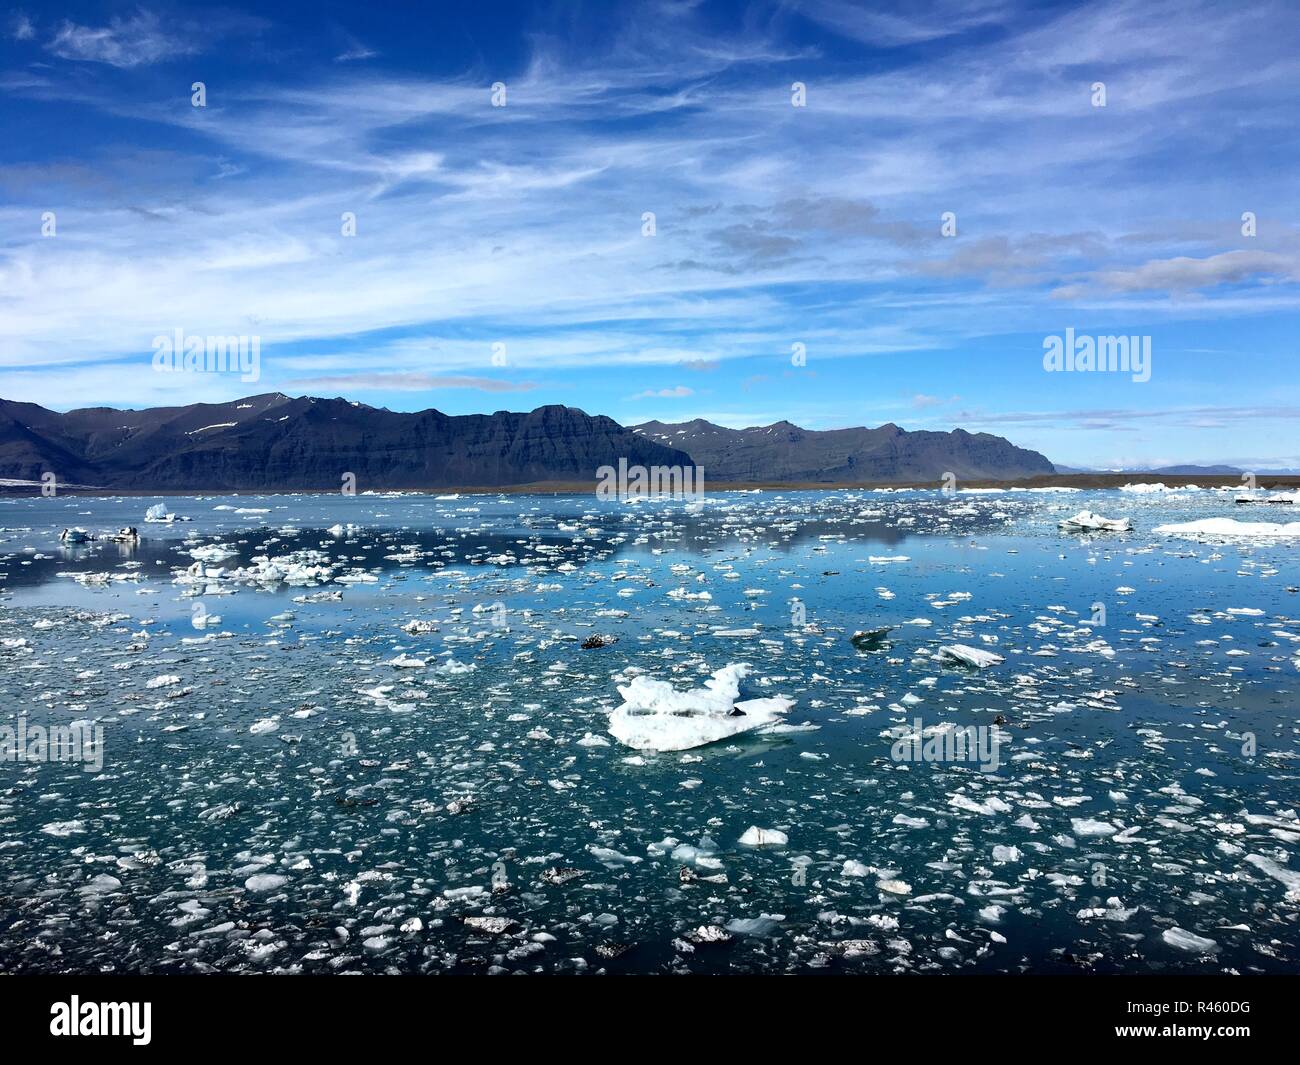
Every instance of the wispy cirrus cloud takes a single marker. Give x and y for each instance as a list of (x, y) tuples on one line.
[(123, 42), (143, 37), (410, 382)]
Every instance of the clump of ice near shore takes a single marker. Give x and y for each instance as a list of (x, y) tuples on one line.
[(655, 716), (1230, 527)]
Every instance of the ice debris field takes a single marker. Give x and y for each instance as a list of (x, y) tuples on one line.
[(411, 733)]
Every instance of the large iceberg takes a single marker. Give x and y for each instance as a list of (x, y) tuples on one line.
[(1229, 528), (655, 716)]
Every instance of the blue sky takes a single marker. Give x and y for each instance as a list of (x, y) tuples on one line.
[(774, 225)]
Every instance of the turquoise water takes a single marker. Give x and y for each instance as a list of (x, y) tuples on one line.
[(276, 795)]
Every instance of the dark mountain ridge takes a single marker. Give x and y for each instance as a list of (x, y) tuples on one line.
[(273, 441), (786, 453), (276, 442)]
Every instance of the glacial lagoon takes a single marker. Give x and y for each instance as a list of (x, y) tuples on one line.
[(372, 734)]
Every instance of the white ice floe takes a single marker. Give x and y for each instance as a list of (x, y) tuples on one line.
[(1087, 521), (763, 837), (1148, 489), (763, 925), (212, 553), (655, 716), (453, 668), (969, 656), (1185, 940), (1288, 878), (991, 805), (405, 661), (1084, 826), (1230, 528)]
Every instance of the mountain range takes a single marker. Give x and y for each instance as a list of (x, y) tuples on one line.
[(276, 442), (786, 453)]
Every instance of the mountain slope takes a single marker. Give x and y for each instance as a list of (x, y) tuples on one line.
[(786, 453), (276, 442)]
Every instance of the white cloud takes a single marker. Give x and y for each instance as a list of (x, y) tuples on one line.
[(21, 28), (128, 42), (409, 382), (677, 392)]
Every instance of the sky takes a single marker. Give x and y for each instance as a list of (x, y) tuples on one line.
[(817, 211)]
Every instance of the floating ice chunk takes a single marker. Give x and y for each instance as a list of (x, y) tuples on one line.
[(212, 552), (1185, 940), (992, 805), (655, 716), (852, 868), (454, 669), (611, 858), (1145, 489), (1230, 528), (969, 656), (405, 661), (63, 828), (1114, 910), (266, 724), (1087, 521), (263, 882), (763, 837), (1289, 878), (493, 926), (763, 925), (1086, 826)]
